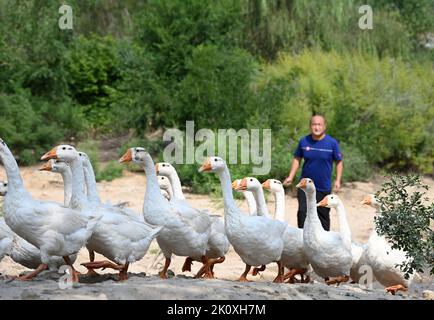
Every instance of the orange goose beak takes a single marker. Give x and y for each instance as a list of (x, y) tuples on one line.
[(367, 201), (52, 154), (243, 185), (127, 157), (234, 184), (302, 184), (322, 203), (206, 166), (157, 168), (266, 184), (46, 167)]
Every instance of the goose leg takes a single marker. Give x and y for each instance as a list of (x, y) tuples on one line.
[(123, 273), (205, 269), (74, 272), (163, 273), (279, 278), (257, 270), (292, 272), (338, 280), (34, 273), (243, 277), (394, 289), (219, 260), (91, 272), (187, 264)]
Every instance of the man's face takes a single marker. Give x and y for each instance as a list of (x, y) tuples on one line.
[(317, 126)]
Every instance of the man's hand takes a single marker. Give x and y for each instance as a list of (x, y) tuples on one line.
[(337, 186), (287, 181)]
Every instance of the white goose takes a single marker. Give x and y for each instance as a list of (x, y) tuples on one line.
[(254, 186), (328, 253), (256, 239), (119, 237), (218, 243), (250, 199), (42, 223), (27, 254), (293, 256), (185, 232), (383, 259), (357, 249)]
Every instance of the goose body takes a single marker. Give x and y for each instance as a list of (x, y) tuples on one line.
[(357, 249), (42, 223), (293, 256), (185, 230), (256, 239), (328, 252), (218, 243), (21, 251), (383, 259), (118, 236)]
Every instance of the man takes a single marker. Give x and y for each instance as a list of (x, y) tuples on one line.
[(318, 150)]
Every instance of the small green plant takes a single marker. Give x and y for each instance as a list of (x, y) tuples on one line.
[(111, 171), (405, 219)]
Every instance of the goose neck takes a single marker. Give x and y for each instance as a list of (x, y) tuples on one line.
[(67, 186), (262, 208), (279, 205), (176, 186), (92, 191), (78, 197)]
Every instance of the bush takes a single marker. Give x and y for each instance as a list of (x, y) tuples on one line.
[(112, 170), (405, 219), (109, 172)]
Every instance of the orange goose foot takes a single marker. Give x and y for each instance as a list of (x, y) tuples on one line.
[(394, 289), (256, 271), (338, 280)]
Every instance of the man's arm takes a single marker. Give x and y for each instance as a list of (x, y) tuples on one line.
[(293, 171), (339, 170)]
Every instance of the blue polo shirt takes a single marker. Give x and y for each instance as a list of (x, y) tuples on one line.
[(318, 160)]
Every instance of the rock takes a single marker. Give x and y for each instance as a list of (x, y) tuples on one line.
[(428, 295)]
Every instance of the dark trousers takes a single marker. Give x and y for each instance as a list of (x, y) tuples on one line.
[(323, 212)]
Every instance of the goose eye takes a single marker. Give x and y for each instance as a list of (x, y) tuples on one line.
[(215, 159), (63, 148), (251, 179), (5, 184)]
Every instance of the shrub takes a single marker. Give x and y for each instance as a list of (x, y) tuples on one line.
[(405, 219)]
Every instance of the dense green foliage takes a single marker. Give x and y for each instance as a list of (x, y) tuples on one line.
[(134, 67), (405, 218)]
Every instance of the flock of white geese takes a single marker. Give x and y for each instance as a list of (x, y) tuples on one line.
[(45, 235)]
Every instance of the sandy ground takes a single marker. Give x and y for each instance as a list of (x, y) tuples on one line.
[(143, 282)]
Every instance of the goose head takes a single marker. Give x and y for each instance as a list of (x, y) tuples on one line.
[(330, 201), (212, 164), (306, 185), (84, 158), (136, 155), (371, 200), (63, 152), (54, 165), (3, 188), (164, 168), (249, 184), (164, 183), (273, 185)]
